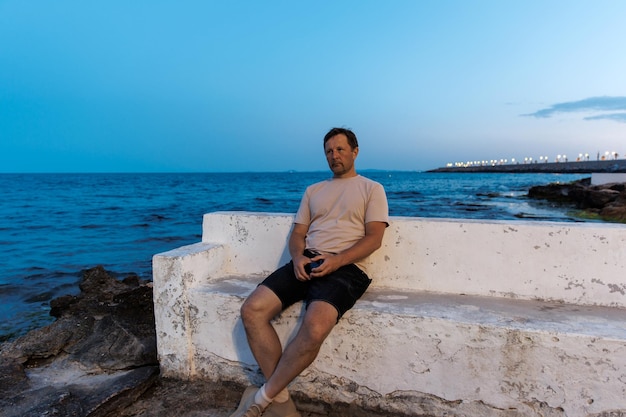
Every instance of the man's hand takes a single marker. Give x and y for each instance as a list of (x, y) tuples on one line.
[(296, 249), (330, 263), (303, 263), (299, 263)]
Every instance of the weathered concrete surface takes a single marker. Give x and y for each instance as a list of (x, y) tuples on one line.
[(500, 351), (578, 263), (96, 358), (464, 318)]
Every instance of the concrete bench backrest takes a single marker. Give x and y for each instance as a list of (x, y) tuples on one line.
[(579, 263)]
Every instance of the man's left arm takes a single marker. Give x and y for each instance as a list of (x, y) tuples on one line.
[(372, 240)]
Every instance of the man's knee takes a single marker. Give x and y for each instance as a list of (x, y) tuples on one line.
[(262, 304), (246, 310), (318, 322), (250, 310)]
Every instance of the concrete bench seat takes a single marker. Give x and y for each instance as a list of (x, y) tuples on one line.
[(464, 318), (529, 316)]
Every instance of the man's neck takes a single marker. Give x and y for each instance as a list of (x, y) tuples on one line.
[(346, 175)]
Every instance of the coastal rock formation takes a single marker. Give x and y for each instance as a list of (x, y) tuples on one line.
[(99, 355), (603, 202)]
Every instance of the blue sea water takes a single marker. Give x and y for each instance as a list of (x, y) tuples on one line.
[(53, 226)]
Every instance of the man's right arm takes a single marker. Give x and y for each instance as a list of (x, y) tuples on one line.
[(297, 244)]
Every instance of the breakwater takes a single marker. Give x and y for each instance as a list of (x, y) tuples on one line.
[(576, 167)]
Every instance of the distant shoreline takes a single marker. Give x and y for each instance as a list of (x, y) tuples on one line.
[(577, 167)]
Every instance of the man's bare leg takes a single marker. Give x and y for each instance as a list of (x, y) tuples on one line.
[(256, 313), (320, 318)]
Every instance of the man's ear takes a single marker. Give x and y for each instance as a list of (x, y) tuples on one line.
[(356, 151)]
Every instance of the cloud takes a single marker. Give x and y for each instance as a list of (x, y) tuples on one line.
[(608, 107), (618, 117)]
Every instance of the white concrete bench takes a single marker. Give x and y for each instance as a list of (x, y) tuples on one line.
[(463, 317)]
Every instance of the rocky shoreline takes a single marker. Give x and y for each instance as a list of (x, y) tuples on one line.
[(605, 202), (99, 354)]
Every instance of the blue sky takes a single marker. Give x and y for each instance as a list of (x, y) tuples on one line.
[(164, 86)]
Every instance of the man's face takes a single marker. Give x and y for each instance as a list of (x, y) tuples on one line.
[(340, 156)]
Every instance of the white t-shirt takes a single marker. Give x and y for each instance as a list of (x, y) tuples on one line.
[(336, 211)]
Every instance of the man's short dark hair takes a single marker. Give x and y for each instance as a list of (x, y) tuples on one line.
[(352, 141)]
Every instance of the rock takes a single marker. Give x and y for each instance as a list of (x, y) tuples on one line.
[(606, 202), (615, 212), (99, 355), (558, 192)]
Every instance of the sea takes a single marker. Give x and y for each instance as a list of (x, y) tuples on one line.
[(55, 226)]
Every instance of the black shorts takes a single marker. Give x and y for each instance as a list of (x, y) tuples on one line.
[(341, 288)]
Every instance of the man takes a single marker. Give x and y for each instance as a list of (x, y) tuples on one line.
[(340, 222)]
